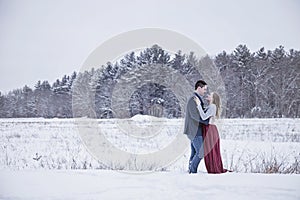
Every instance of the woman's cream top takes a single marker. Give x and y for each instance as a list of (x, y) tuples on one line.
[(210, 113)]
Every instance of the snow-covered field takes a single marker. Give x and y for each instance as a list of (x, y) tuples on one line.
[(248, 145), (107, 184)]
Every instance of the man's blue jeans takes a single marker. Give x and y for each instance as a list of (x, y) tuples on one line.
[(197, 153)]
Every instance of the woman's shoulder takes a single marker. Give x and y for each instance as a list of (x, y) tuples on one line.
[(213, 106)]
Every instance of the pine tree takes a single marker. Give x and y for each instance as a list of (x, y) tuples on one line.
[(258, 77), (178, 61), (153, 55), (228, 72), (128, 62), (26, 103), (243, 58), (43, 96), (83, 96)]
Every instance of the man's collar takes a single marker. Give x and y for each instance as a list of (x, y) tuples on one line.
[(198, 95)]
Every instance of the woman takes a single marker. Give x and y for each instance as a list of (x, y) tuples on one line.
[(212, 155)]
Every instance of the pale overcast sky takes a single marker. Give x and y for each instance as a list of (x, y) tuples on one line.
[(43, 40)]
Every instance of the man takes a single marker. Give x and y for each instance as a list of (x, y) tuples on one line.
[(193, 126)]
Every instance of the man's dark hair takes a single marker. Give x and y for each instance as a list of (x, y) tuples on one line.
[(200, 83)]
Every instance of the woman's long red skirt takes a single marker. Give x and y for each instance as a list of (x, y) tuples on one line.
[(212, 154)]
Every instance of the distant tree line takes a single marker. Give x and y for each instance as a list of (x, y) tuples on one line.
[(262, 84), (45, 100)]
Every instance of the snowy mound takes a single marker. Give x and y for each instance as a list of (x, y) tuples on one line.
[(143, 118)]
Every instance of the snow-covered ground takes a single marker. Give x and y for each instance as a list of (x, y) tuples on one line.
[(30, 147), (106, 184), (246, 144)]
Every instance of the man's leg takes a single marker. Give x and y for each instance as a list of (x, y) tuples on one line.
[(193, 151), (199, 153)]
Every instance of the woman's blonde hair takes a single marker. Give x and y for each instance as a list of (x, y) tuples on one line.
[(217, 102)]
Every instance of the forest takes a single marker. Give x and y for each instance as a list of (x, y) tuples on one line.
[(261, 84)]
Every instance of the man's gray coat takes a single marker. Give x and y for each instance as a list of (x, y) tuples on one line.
[(193, 122)]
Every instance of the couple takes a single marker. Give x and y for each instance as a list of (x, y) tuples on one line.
[(200, 129)]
